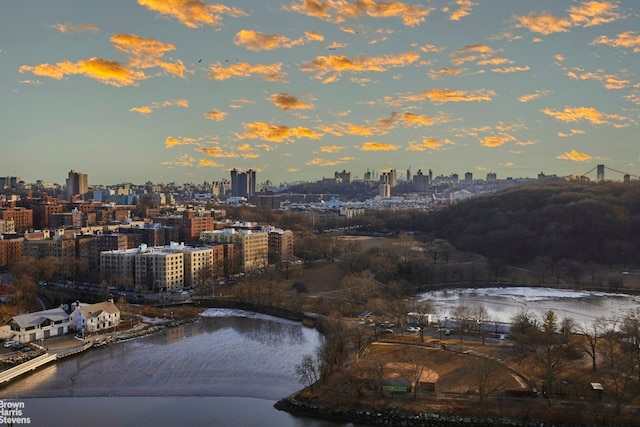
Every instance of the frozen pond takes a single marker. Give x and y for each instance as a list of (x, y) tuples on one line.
[(503, 304)]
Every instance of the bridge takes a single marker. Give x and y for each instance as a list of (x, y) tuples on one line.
[(602, 173)]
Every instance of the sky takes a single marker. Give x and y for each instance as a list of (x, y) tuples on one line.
[(186, 90)]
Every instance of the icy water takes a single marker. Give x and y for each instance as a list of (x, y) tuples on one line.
[(227, 369), (503, 304)]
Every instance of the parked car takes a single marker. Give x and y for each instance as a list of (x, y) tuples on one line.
[(413, 329), (386, 331), (8, 344)]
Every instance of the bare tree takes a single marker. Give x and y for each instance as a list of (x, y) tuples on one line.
[(307, 371), (462, 314), (591, 335), (481, 316), (485, 374)]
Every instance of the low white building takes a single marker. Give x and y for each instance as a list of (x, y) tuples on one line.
[(88, 318), (39, 325)]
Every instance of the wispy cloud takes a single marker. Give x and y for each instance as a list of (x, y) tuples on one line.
[(440, 96), (192, 13), (276, 133), (337, 64), (256, 41), (270, 72), (108, 72), (589, 114), (463, 9), (338, 11), (76, 28), (318, 161), (148, 109), (331, 148), (572, 132), (378, 146), (574, 156), (428, 144), (628, 40), (586, 14), (533, 96), (609, 81)]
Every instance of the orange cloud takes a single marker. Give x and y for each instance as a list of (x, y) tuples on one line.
[(142, 54), (108, 72), (575, 156), (271, 72), (217, 151), (609, 81), (78, 28), (313, 36), (323, 65), (413, 120), (544, 24), (464, 9), (510, 69), (591, 13), (494, 61), (184, 160), (276, 133), (624, 40), (208, 163), (147, 53), (253, 40), (338, 11), (439, 96), (590, 114), (192, 13), (148, 109), (142, 110), (216, 115), (172, 142), (572, 132), (293, 170), (430, 48), (444, 72), (377, 146), (286, 101), (323, 162), (341, 129), (330, 148), (532, 96), (493, 141), (428, 144)]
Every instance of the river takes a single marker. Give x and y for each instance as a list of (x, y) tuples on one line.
[(228, 368)]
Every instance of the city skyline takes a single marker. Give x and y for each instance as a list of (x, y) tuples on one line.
[(170, 91)]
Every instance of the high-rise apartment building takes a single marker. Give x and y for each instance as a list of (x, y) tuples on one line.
[(243, 184), (76, 185), (251, 246)]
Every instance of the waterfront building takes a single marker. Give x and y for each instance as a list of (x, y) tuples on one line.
[(31, 327), (89, 318)]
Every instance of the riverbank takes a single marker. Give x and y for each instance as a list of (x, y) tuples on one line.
[(395, 418)]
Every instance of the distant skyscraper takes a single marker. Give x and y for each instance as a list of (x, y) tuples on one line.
[(77, 184), (243, 184)]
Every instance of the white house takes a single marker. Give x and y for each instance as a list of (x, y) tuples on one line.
[(94, 317), (41, 324)]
